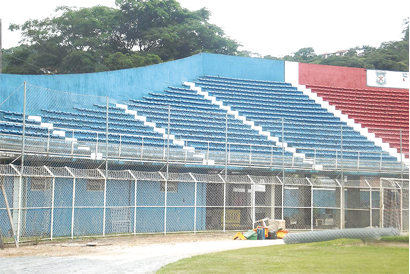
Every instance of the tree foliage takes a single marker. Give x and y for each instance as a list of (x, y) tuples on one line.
[(136, 33)]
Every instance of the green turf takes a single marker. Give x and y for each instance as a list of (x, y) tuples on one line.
[(339, 256), (401, 239)]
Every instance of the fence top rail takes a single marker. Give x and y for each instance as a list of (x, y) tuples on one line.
[(324, 182), (119, 175), (271, 180), (86, 173), (36, 171), (296, 181), (208, 178), (147, 176), (8, 170), (60, 172), (239, 179), (394, 183)]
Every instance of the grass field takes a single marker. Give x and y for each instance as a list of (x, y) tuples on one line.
[(338, 256)]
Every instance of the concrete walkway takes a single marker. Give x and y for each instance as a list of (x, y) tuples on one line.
[(146, 259)]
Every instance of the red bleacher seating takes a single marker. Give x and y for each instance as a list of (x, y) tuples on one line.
[(383, 111)]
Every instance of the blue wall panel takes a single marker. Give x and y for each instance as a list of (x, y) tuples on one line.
[(122, 85), (244, 67)]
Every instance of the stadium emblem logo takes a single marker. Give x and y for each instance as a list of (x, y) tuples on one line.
[(381, 77)]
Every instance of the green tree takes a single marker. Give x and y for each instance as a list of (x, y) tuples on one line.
[(305, 54), (18, 60), (88, 39), (78, 62), (120, 60), (164, 28)]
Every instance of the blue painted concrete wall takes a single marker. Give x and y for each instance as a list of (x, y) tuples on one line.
[(89, 212), (243, 67), (135, 83)]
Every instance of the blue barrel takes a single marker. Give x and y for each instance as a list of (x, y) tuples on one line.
[(260, 233)]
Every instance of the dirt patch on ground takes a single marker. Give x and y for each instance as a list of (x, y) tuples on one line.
[(96, 246), (388, 243)]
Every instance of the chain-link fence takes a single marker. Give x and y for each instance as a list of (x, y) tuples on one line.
[(69, 202), (88, 165), (61, 125)]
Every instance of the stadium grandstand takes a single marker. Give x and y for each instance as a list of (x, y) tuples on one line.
[(205, 143)]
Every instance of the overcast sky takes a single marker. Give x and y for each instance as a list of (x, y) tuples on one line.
[(267, 27)]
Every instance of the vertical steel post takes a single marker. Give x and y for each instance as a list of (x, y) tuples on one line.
[(166, 177), (253, 198), (6, 202), (283, 163), (72, 148), (311, 204), (52, 208), (106, 137), (52, 203), (370, 204), (72, 210), (336, 160), (48, 141), (226, 170), (195, 199), (22, 163), (381, 204), (135, 202), (142, 147), (341, 154), (72, 203), (343, 217), (250, 155), (96, 145), (106, 165), (226, 145), (401, 154), (104, 200), (119, 148)]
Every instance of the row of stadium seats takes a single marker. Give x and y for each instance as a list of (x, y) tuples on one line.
[(201, 123), (384, 112)]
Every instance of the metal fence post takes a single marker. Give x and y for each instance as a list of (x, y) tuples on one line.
[(370, 204), (226, 145), (253, 197), (22, 163), (52, 203), (311, 204), (342, 181), (135, 202), (167, 170), (224, 205), (195, 199), (105, 200), (283, 157), (226, 170), (72, 203), (106, 165), (341, 153), (401, 154)]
